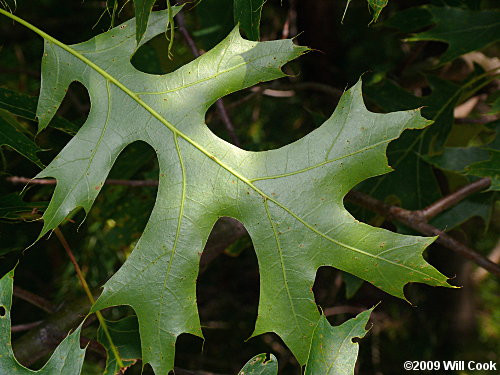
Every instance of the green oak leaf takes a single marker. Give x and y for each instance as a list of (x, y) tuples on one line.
[(290, 199), (332, 350), (463, 30), (247, 13), (67, 359), (11, 135), (260, 365)]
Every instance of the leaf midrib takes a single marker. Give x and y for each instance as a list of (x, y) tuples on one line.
[(195, 144)]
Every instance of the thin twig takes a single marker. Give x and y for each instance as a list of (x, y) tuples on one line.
[(450, 200), (326, 89), (51, 181), (85, 286), (221, 109), (415, 220), (185, 34), (181, 371), (32, 73), (25, 326), (34, 299)]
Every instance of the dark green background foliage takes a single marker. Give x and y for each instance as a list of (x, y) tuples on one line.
[(413, 56)]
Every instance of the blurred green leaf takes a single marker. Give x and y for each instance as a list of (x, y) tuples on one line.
[(216, 18), (12, 207), (11, 135), (247, 13), (413, 181), (456, 159), (481, 161), (143, 9), (352, 284), (462, 29), (478, 205), (25, 106), (408, 20), (487, 168)]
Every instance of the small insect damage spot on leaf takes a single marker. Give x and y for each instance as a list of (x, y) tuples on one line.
[(2, 311)]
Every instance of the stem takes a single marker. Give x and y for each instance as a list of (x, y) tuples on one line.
[(51, 181), (25, 326), (450, 200), (85, 286), (34, 299)]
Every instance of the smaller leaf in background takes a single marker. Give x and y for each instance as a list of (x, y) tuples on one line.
[(247, 13), (11, 135), (352, 284), (143, 9), (487, 168), (125, 336), (67, 358), (463, 30), (413, 182), (377, 6), (495, 103), (261, 365), (216, 20), (456, 159), (410, 20), (483, 161), (478, 205), (12, 207), (25, 106), (332, 350)]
